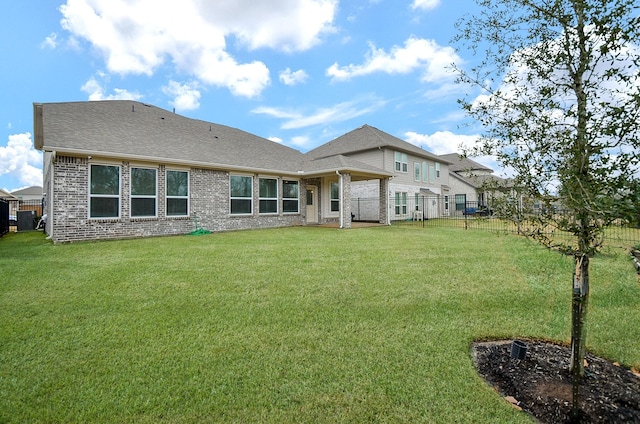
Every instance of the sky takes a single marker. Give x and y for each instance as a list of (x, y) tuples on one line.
[(298, 72)]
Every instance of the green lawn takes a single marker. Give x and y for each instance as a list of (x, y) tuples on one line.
[(297, 325)]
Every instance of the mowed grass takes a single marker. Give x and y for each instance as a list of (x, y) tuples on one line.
[(297, 325)]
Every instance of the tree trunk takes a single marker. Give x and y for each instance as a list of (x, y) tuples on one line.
[(578, 327)]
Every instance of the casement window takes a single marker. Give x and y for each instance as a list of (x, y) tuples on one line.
[(425, 172), (401, 203), (268, 195), (335, 197), (437, 169), (104, 191), (416, 171), (241, 194), (401, 162), (290, 197), (144, 192), (177, 193)]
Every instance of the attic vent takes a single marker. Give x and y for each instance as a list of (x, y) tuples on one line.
[(65, 159)]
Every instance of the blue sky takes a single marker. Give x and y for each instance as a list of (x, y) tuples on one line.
[(299, 72)]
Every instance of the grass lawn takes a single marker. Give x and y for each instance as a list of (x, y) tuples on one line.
[(288, 325)]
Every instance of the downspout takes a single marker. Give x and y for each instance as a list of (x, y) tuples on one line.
[(340, 209)]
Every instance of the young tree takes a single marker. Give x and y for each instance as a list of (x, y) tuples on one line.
[(560, 106)]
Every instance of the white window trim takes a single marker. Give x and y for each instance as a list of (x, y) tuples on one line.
[(243, 198), (188, 196), (138, 196), (291, 198), (109, 196), (416, 171), (268, 198)]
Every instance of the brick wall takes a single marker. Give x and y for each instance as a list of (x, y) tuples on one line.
[(208, 204)]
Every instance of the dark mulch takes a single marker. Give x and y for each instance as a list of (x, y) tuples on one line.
[(540, 383)]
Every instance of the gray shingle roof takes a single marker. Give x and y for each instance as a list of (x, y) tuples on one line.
[(459, 163), (130, 129), (367, 138), (136, 131)]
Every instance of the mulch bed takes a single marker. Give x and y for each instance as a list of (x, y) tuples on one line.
[(540, 384)]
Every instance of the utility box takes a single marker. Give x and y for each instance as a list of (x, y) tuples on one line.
[(26, 220)]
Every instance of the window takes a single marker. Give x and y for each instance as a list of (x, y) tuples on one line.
[(290, 196), (401, 162), (416, 171), (143, 192), (461, 201), (401, 203), (177, 193), (425, 173), (104, 191), (432, 174), (241, 193), (437, 169), (446, 203), (335, 197), (268, 195)]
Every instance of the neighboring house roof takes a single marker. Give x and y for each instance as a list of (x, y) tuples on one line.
[(6, 195), (137, 131), (480, 182), (368, 138), (29, 191), (460, 163)]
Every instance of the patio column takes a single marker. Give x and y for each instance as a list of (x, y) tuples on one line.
[(384, 201), (345, 204)]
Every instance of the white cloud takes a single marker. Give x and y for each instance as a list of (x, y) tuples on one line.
[(417, 53), (425, 4), (96, 91), (186, 96), (289, 77), (322, 116), (20, 160), (441, 142), (50, 41), (275, 139), (139, 37)]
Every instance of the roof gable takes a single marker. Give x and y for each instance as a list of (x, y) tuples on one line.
[(367, 138)]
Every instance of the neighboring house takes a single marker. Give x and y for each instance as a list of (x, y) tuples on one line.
[(116, 169), (29, 193), (419, 188), (472, 184)]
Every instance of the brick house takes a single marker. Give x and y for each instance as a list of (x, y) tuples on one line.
[(119, 169)]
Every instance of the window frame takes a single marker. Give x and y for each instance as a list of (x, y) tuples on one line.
[(416, 171), (169, 197), (400, 208), (290, 199), (333, 200), (133, 197), (243, 198), (264, 200), (93, 196), (425, 172), (401, 162)]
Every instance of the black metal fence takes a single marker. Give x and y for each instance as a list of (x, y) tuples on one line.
[(19, 215), (449, 211), (4, 217)]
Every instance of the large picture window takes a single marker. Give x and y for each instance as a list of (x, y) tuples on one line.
[(335, 197), (416, 171), (177, 196), (104, 191), (290, 197), (143, 192), (268, 195), (241, 194)]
